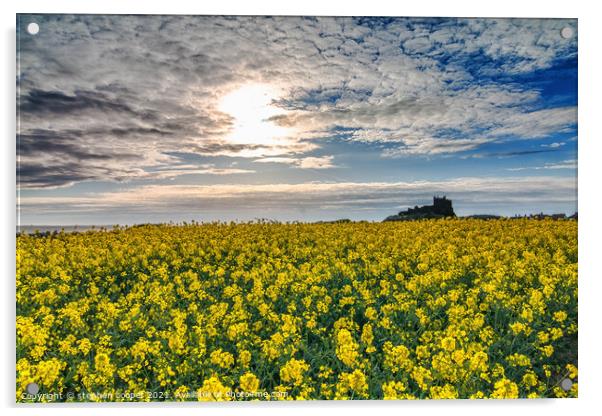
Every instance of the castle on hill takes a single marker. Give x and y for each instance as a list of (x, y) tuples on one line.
[(441, 208)]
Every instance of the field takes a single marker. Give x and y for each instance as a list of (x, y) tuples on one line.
[(430, 309)]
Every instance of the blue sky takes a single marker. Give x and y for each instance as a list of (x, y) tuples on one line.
[(131, 119)]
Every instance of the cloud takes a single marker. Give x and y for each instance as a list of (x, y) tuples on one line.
[(285, 160), (108, 97), (47, 159), (323, 162), (173, 171), (432, 146), (565, 164), (536, 124), (554, 145), (514, 153), (55, 102), (470, 194)]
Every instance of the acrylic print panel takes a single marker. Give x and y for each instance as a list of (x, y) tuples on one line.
[(274, 208)]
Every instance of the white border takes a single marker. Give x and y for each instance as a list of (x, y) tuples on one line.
[(590, 138)]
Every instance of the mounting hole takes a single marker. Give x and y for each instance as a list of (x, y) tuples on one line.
[(33, 28), (566, 32), (32, 388), (566, 384)]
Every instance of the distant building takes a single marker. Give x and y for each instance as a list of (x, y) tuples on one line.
[(441, 208), (542, 216)]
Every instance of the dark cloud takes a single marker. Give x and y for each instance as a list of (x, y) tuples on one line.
[(30, 175), (50, 159), (65, 144), (55, 102), (520, 153)]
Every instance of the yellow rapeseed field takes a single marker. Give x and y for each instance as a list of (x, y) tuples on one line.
[(429, 309)]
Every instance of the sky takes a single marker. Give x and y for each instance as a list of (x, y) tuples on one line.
[(135, 119)]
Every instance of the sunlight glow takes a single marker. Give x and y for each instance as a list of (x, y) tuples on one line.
[(251, 106)]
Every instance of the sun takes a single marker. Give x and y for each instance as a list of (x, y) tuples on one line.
[(251, 106)]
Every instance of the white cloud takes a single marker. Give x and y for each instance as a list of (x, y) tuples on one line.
[(119, 92), (466, 192), (565, 164), (536, 124), (554, 145), (322, 162), (179, 170)]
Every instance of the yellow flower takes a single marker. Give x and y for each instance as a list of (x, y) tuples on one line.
[(478, 362), (84, 345), (213, 390), (530, 379), (547, 350), (181, 393), (393, 390), (347, 348), (543, 337), (422, 351), (102, 364), (249, 383), (505, 389), (397, 358), (560, 316), (443, 392), (66, 346), (459, 356), (367, 338), (555, 333), (222, 358), (244, 358), (573, 372), (325, 372), (293, 371), (32, 335), (422, 376), (518, 327), (448, 343), (527, 314), (520, 360), (154, 307), (371, 313), (237, 330), (352, 385), (47, 372)]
